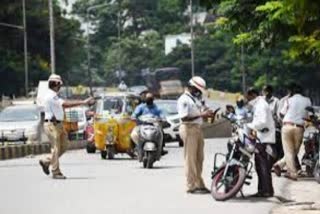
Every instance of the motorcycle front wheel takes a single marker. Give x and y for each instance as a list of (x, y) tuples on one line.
[(225, 188), (148, 160)]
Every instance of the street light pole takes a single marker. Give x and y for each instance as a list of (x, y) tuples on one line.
[(25, 39), (52, 45), (192, 44)]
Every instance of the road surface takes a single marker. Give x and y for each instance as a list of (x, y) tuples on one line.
[(119, 186)]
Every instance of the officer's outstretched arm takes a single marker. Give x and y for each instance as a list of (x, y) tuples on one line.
[(70, 104)]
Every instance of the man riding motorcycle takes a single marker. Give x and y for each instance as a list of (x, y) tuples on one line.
[(147, 108)]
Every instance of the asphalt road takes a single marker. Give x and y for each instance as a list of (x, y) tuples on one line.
[(117, 186)]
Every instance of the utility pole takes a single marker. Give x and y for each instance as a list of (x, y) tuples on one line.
[(192, 44), (25, 39), (52, 47)]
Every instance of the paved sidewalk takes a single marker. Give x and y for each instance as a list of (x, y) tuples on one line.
[(304, 196)]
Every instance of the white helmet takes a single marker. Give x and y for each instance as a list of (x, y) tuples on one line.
[(55, 78), (199, 83)]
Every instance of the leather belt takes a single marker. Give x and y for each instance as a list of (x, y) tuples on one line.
[(53, 121), (293, 124)]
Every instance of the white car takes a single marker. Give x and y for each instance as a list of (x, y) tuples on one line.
[(169, 109), (20, 124)]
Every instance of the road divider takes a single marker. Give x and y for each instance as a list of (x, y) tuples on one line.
[(19, 151)]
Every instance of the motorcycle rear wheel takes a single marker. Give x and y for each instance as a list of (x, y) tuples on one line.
[(231, 187)]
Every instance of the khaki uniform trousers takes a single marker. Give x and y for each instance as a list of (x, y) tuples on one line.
[(59, 144), (292, 137), (192, 137)]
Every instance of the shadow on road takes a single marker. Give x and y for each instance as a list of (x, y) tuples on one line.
[(81, 178), (275, 199), (162, 167)]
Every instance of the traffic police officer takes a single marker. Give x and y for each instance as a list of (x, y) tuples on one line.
[(191, 114), (53, 125)]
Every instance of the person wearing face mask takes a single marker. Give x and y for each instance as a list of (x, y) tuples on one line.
[(145, 108), (263, 126), (53, 125), (191, 113)]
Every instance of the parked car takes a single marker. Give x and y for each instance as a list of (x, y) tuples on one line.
[(169, 109), (82, 122), (20, 124)]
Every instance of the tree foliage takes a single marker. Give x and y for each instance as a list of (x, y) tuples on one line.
[(68, 47)]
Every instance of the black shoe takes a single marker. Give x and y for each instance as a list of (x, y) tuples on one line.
[(200, 191), (59, 176), (205, 190), (164, 152), (262, 195), (45, 167), (191, 191)]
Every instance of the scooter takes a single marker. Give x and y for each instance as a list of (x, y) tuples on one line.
[(151, 140)]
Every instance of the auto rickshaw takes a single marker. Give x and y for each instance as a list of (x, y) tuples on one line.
[(113, 124)]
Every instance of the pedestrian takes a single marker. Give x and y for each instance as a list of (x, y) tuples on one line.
[(264, 128), (53, 125), (281, 161), (191, 113), (293, 113), (273, 103)]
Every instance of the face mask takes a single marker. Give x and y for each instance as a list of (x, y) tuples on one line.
[(196, 93), (149, 101), (240, 104)]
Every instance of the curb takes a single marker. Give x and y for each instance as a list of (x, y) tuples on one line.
[(19, 151)]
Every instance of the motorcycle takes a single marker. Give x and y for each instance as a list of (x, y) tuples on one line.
[(151, 140), (311, 157), (236, 170)]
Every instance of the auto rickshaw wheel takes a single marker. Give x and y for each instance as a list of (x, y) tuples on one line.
[(104, 154), (110, 155), (90, 148)]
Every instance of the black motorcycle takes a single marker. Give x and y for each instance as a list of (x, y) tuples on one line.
[(236, 170), (311, 157)]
